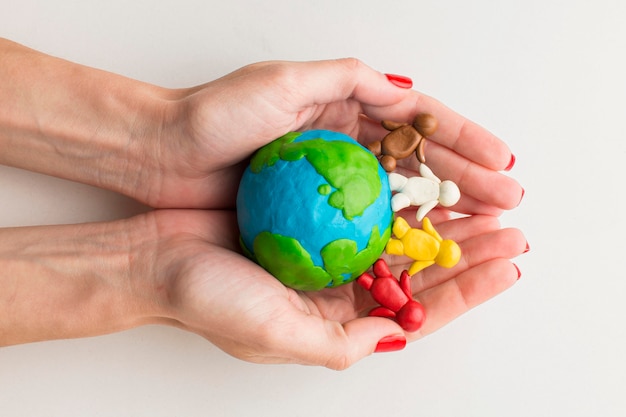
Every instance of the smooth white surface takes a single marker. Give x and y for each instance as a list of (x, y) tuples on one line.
[(545, 75)]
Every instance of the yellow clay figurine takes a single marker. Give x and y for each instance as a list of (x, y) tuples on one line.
[(425, 246)]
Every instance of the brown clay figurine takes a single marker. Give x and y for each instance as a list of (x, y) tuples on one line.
[(403, 139)]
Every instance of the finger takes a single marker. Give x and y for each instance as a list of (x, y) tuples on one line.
[(306, 84), (465, 228), (475, 180), (364, 337), (454, 297), (323, 82), (503, 243), (315, 341), (477, 197), (454, 132), (470, 205), (467, 204), (458, 230), (286, 96)]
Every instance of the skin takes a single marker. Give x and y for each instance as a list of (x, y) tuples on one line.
[(182, 152)]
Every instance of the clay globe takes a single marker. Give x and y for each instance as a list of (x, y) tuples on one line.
[(314, 209)]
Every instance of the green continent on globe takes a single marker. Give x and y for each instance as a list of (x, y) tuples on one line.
[(314, 209), (354, 175), (286, 259)]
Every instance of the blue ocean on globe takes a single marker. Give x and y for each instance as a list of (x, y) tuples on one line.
[(290, 199)]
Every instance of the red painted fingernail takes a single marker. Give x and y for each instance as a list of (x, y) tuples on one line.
[(400, 80), (519, 273), (511, 163), (391, 344), (527, 248), (522, 197)]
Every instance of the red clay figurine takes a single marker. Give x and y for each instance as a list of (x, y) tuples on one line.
[(395, 297)]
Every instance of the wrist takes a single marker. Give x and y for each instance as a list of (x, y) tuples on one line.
[(79, 123), (72, 281)]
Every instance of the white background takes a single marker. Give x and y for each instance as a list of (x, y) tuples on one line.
[(547, 76)]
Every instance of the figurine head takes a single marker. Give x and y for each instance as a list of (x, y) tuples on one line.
[(449, 254), (449, 193)]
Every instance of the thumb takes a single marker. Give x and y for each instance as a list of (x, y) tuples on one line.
[(342, 345), (328, 81)]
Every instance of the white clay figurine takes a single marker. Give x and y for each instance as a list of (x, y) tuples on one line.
[(426, 192)]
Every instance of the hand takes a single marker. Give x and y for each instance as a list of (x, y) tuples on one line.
[(187, 148), (214, 291), (183, 268), (218, 125)]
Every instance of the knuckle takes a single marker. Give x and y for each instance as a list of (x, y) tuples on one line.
[(340, 363), (351, 63)]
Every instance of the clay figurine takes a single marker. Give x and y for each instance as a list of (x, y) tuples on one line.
[(425, 246), (404, 139), (426, 191), (395, 297)]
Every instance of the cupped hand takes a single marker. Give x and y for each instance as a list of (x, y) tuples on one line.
[(211, 130), (209, 288)]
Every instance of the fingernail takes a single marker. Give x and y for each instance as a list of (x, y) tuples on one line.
[(527, 248), (519, 273), (521, 197), (511, 163), (391, 344), (400, 80)]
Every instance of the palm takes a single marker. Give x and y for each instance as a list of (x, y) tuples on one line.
[(206, 162), (234, 303), (231, 301), (483, 272), (210, 171)]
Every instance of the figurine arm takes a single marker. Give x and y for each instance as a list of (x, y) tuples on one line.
[(397, 181), (428, 173), (400, 201), (391, 125), (405, 284), (381, 269), (400, 227), (365, 280), (394, 247), (417, 266), (428, 227), (424, 209), (382, 312)]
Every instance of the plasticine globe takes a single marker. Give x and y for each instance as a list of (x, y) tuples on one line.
[(314, 209)]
